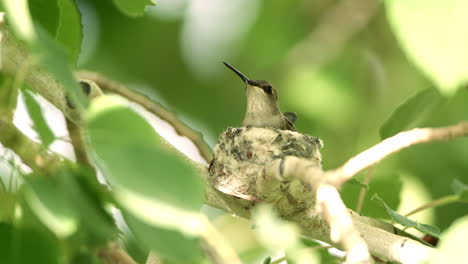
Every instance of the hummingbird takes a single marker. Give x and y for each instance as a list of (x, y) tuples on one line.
[(262, 105)]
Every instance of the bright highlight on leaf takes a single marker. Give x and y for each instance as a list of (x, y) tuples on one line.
[(51, 205), (168, 243), (433, 35), (428, 229), (20, 19), (133, 8)]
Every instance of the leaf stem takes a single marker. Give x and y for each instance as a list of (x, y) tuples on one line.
[(278, 261), (441, 201), (362, 193)]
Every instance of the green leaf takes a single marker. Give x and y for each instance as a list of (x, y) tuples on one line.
[(68, 203), (133, 160), (134, 248), (452, 248), (44, 51), (156, 174), (62, 20), (40, 125), (461, 190), (402, 220), (86, 200), (411, 113), (133, 8), (432, 33), (24, 246), (49, 202), (53, 57), (170, 244), (69, 31), (46, 13), (156, 188)]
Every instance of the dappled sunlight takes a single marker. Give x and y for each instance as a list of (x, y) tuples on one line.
[(161, 214), (61, 224)]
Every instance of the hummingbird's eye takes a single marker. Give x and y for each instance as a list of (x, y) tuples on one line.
[(268, 89)]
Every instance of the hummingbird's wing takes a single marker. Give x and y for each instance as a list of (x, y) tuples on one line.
[(290, 120), (291, 117)]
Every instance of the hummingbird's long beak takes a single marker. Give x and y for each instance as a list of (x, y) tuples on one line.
[(242, 76)]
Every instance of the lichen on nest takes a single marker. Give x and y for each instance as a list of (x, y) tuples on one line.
[(241, 154)]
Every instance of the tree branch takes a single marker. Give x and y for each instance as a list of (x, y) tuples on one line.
[(378, 235), (30, 152), (180, 127), (441, 201), (363, 191), (391, 145), (328, 203)]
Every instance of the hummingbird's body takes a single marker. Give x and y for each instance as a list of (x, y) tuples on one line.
[(262, 105)]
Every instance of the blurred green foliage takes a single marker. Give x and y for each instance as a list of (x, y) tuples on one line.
[(344, 100), (350, 86)]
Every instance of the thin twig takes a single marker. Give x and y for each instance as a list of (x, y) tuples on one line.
[(441, 201), (362, 193), (76, 138), (180, 127), (278, 261), (391, 145)]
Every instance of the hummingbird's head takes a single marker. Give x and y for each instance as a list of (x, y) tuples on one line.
[(261, 96)]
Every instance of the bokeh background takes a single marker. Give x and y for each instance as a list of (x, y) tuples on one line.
[(337, 64)]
